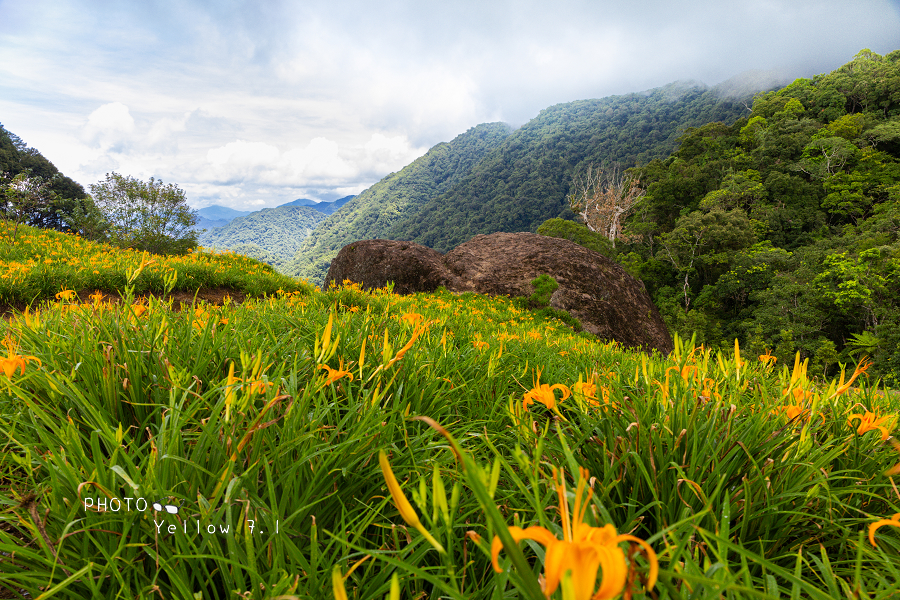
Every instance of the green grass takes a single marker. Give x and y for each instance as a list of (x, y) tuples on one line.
[(225, 411), (39, 263)]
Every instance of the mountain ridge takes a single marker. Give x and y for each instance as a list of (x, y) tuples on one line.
[(271, 235), (526, 180)]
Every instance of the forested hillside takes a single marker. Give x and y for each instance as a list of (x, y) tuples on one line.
[(493, 179), (374, 211), (526, 180), (271, 235), (781, 228), (60, 196)]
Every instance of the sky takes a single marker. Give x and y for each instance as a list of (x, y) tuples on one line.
[(250, 104)]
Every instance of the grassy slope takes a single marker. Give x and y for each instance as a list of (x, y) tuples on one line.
[(40, 263), (227, 412)]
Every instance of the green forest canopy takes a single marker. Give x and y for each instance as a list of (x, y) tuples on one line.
[(781, 229)]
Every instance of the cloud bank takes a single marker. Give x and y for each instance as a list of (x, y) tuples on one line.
[(257, 103)]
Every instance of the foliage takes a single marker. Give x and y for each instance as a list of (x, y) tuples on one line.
[(24, 196), (543, 286), (784, 226), (148, 216), (528, 177), (17, 159), (572, 231), (87, 221), (539, 302), (265, 421)]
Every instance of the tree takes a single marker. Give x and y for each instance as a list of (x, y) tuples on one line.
[(23, 197), (150, 216), (87, 221), (60, 192), (706, 243), (604, 200)]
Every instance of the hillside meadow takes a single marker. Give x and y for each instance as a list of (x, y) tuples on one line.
[(36, 264), (340, 443)]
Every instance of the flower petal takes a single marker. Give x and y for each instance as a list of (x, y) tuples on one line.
[(536, 533), (615, 572), (893, 522)]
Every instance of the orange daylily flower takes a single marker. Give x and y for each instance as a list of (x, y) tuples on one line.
[(583, 550), (480, 344), (792, 411), (335, 374), (799, 394), (412, 318), (870, 421), (13, 361), (767, 359), (257, 387), (893, 522), (586, 389), (685, 371), (861, 368), (545, 394)]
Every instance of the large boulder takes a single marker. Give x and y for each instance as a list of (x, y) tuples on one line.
[(372, 263), (609, 302)]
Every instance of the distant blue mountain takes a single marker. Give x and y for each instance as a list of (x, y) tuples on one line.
[(217, 216), (302, 202), (323, 207), (213, 217), (221, 213)]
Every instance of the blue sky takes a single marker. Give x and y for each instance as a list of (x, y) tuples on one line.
[(255, 103)]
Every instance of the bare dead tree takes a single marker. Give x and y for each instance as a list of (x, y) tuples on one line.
[(604, 199)]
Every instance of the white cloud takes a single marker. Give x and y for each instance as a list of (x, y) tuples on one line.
[(248, 102), (318, 162), (240, 160), (163, 133), (109, 128), (322, 163), (383, 153)]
